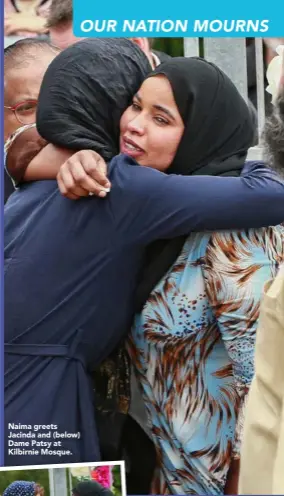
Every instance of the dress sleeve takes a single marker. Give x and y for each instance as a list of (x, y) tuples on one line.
[(237, 265)]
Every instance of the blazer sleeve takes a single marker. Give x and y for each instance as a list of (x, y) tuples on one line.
[(153, 205)]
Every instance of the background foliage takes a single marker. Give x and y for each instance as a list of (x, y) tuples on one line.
[(172, 46)]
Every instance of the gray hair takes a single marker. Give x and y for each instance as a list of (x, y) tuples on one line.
[(23, 51), (60, 13), (274, 136)]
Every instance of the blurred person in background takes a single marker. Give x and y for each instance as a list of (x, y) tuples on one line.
[(25, 63), (262, 455), (60, 24), (91, 488), (25, 17), (24, 488), (269, 46), (60, 27)]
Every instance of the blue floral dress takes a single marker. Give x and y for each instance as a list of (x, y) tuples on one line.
[(193, 352)]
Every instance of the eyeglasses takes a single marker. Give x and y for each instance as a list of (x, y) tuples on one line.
[(24, 111)]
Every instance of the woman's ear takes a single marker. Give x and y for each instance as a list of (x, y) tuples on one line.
[(144, 44)]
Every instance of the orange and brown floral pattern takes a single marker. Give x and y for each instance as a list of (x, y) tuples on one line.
[(193, 352)]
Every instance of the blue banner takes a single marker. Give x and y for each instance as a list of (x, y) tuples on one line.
[(165, 18)]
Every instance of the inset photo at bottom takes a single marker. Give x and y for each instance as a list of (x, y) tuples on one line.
[(91, 479)]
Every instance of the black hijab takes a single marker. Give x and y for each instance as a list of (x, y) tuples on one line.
[(219, 130), (84, 92), (218, 124), (91, 488)]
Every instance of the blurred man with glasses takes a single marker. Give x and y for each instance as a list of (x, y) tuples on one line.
[(25, 63)]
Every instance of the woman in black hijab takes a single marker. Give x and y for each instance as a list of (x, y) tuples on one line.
[(193, 345), (217, 135)]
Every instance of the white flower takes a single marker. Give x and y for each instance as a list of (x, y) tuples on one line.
[(275, 73), (80, 471)]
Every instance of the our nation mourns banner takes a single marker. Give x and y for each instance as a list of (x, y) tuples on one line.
[(167, 18)]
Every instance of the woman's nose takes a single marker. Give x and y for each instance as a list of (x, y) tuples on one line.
[(137, 125)]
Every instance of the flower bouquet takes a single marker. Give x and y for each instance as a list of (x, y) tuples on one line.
[(103, 475)]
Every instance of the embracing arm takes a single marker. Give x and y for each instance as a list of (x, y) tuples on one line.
[(46, 163), (30, 158), (158, 206)]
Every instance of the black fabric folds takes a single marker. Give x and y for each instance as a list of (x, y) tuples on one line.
[(85, 91)]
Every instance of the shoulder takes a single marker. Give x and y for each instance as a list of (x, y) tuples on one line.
[(29, 198)]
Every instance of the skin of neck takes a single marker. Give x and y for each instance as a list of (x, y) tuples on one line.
[(62, 35)]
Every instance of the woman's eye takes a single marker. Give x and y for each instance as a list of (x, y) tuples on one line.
[(161, 120), (136, 107)]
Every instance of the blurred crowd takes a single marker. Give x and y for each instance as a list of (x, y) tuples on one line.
[(53, 19)]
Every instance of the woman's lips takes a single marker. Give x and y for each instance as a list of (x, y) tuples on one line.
[(129, 147)]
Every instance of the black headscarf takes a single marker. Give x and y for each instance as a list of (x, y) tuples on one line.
[(218, 124), (91, 488), (219, 130), (84, 92)]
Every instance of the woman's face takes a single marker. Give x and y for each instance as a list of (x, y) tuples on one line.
[(151, 128)]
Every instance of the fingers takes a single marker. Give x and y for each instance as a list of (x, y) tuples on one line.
[(74, 182), (82, 179), (95, 167), (73, 175), (8, 29), (83, 174), (65, 192)]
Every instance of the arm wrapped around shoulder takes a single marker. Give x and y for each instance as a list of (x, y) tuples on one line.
[(22, 149)]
